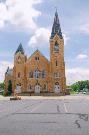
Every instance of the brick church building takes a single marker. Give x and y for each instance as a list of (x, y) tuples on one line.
[(37, 74)]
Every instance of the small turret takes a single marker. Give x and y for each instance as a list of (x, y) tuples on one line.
[(9, 71), (19, 68)]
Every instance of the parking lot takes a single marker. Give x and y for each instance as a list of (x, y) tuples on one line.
[(67, 115)]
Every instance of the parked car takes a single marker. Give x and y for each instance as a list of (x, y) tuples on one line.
[(84, 92)]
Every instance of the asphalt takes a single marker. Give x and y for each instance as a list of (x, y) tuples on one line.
[(67, 115)]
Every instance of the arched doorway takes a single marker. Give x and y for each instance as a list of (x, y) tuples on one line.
[(18, 88), (37, 88), (57, 87)]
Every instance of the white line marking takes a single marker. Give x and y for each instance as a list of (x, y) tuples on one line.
[(65, 107), (35, 108)]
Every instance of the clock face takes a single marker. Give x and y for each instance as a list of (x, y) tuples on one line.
[(56, 47)]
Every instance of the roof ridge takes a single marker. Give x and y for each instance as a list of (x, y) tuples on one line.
[(40, 53)]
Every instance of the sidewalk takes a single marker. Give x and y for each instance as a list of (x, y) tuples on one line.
[(4, 98), (56, 97), (48, 97)]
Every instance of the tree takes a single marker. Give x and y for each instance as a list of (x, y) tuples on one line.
[(9, 87), (75, 87), (80, 85), (2, 85)]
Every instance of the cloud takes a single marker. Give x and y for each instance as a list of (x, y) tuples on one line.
[(85, 28), (75, 74), (3, 67), (1, 24), (82, 56), (66, 39), (40, 37), (19, 12), (3, 14)]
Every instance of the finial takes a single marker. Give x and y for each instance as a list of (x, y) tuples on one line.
[(56, 14), (56, 9)]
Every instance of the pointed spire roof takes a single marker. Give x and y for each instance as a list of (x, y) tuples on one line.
[(20, 49), (56, 29), (9, 71)]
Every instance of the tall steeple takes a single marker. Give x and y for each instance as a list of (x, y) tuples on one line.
[(56, 29), (20, 49)]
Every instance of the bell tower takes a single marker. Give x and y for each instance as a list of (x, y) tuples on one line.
[(19, 69), (57, 64)]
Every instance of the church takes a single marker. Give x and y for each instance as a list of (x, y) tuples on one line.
[(36, 74)]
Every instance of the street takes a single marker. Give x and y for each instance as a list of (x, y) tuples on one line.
[(67, 115)]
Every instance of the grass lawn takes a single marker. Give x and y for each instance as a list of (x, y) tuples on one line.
[(73, 92)]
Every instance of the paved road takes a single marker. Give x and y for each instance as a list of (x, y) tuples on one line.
[(67, 115)]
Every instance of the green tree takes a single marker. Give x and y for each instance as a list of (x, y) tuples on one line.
[(9, 87), (2, 85), (75, 87), (80, 85)]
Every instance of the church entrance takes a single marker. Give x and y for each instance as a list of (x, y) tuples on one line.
[(18, 88), (37, 89), (57, 88)]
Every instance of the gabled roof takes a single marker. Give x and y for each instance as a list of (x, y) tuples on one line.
[(20, 49), (37, 51)]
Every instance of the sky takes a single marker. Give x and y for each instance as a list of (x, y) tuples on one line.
[(30, 22)]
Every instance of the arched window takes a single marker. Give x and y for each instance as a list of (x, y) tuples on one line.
[(56, 83), (37, 58), (56, 75), (19, 75), (37, 73), (56, 47), (56, 63), (31, 74), (43, 74)]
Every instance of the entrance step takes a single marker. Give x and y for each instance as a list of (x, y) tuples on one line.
[(40, 94)]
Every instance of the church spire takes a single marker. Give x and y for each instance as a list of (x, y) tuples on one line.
[(20, 49), (56, 29)]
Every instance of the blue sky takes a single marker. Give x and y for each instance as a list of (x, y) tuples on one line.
[(30, 23)]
